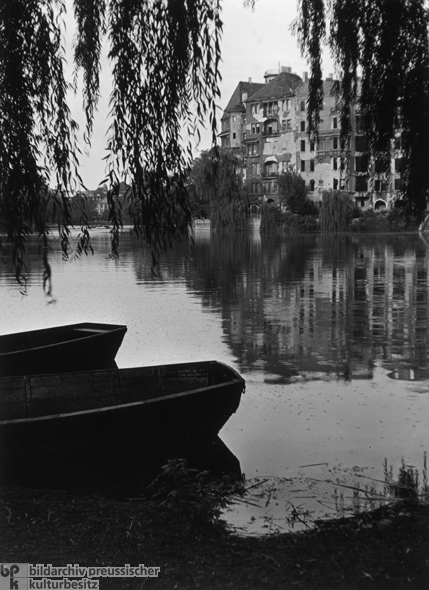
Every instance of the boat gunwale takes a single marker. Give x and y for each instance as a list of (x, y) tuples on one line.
[(238, 379), (60, 329)]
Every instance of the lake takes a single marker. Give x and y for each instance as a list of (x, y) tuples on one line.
[(330, 334)]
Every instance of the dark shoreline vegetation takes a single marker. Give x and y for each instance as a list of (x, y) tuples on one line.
[(365, 222), (178, 530)]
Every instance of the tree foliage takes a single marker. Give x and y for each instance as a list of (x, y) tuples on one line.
[(293, 193), (336, 211), (164, 56), (382, 53), (214, 178)]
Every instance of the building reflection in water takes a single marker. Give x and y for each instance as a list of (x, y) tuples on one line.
[(315, 304)]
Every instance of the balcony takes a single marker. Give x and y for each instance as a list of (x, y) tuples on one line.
[(251, 137), (270, 132), (270, 174)]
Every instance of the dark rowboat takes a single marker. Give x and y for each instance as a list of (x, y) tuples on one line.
[(77, 419), (75, 347)]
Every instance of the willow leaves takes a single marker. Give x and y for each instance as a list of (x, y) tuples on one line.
[(164, 56)]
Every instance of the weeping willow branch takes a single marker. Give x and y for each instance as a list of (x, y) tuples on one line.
[(382, 53), (165, 56), (214, 177), (336, 212)]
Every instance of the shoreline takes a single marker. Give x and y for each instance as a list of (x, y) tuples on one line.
[(387, 548)]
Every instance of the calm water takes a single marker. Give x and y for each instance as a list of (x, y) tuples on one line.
[(331, 336)]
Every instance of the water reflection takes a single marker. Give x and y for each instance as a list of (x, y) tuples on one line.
[(331, 336), (317, 304), (124, 476)]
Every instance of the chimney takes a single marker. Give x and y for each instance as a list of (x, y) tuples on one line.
[(250, 80), (305, 76)]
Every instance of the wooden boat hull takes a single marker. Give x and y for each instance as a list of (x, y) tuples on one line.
[(75, 347), (76, 420)]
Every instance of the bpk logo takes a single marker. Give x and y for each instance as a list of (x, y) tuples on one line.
[(14, 576)]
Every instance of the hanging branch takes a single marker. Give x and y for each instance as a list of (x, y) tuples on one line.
[(382, 53), (165, 56)]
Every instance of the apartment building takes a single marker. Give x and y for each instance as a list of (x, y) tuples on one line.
[(268, 123), (234, 116)]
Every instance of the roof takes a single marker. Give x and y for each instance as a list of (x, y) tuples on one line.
[(328, 86), (235, 104), (282, 85)]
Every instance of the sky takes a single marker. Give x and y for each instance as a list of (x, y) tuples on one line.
[(253, 41)]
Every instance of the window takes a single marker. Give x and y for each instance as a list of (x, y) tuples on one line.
[(361, 143), (359, 126), (302, 125), (255, 128), (361, 184), (272, 187), (312, 146), (254, 169), (252, 149), (335, 143), (286, 104), (254, 109), (335, 184), (271, 108), (334, 164), (312, 184), (311, 165), (303, 145), (302, 165), (254, 187), (361, 164), (270, 128), (335, 123), (271, 168), (398, 184), (398, 165), (302, 105), (398, 143), (233, 118), (381, 166), (234, 136)]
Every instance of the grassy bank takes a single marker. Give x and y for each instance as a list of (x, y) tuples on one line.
[(386, 549)]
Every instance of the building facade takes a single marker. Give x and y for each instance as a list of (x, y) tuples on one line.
[(267, 122)]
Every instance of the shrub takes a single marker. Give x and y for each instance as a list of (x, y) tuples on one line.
[(192, 495), (393, 220), (370, 221), (299, 223)]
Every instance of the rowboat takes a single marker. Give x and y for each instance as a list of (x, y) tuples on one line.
[(78, 419), (75, 347)]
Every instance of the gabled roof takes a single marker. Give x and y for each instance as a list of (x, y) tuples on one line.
[(282, 85), (235, 105)]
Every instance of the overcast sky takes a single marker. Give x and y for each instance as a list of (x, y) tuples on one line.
[(252, 42)]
